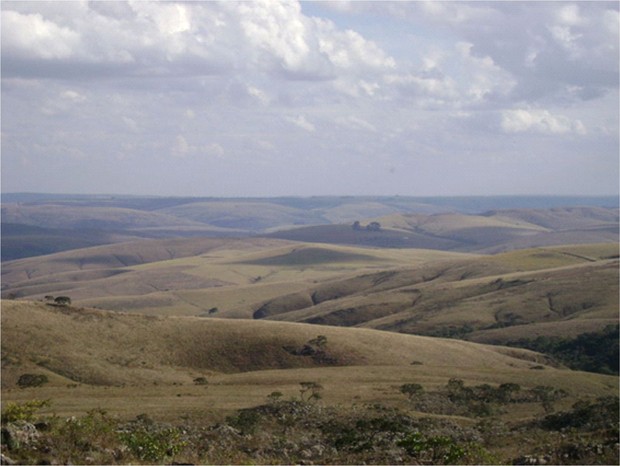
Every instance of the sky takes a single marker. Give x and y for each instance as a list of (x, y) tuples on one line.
[(279, 98)]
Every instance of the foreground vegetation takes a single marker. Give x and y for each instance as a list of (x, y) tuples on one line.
[(302, 430)]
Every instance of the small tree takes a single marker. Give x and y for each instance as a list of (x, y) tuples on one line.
[(32, 380), (373, 226), (320, 341), (62, 300), (201, 381), (274, 397), (411, 390), (357, 226), (310, 391)]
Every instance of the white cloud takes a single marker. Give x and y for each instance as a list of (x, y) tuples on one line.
[(301, 122), (539, 121), (73, 96), (33, 36), (259, 95), (356, 123), (180, 148), (232, 86)]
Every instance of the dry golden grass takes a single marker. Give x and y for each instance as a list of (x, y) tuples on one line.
[(130, 364), (162, 277)]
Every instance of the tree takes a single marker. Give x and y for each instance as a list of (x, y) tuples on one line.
[(373, 226), (320, 341), (357, 226), (411, 390), (310, 391), (62, 300)]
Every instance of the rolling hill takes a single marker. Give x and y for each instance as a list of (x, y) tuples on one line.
[(501, 298), (507, 295), (192, 276), (489, 232), (130, 364), (407, 220)]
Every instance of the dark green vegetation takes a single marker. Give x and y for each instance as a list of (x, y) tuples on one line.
[(296, 432), (591, 351)]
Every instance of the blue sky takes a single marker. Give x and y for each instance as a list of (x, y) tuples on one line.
[(316, 98)]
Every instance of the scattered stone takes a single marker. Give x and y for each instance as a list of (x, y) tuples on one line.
[(19, 434), (6, 460)]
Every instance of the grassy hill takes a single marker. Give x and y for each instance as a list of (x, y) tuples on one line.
[(501, 298), (128, 388), (244, 360), (407, 221), (192, 276), (487, 298), (489, 232)]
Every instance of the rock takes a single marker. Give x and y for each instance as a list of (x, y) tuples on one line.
[(6, 460), (19, 434)]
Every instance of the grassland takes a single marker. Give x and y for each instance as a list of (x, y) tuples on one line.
[(93, 358), (194, 331), (166, 382)]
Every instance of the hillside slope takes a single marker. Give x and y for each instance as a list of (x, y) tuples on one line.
[(108, 348), (573, 287), (192, 276)]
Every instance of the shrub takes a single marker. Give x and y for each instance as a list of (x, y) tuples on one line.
[(152, 444), (246, 421), (411, 389), (310, 391), (274, 397), (23, 411), (32, 380), (62, 300), (441, 449), (84, 434), (201, 381), (587, 415)]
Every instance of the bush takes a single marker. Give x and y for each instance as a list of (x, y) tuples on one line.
[(32, 380), (23, 411), (441, 449), (411, 390), (246, 421), (587, 415), (310, 391), (152, 444), (201, 381)]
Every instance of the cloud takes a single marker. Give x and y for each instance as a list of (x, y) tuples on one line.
[(163, 39), (240, 91), (301, 122), (37, 37), (539, 121)]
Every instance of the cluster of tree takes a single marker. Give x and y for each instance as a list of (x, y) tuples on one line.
[(372, 226), (58, 300), (478, 400), (591, 352)]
